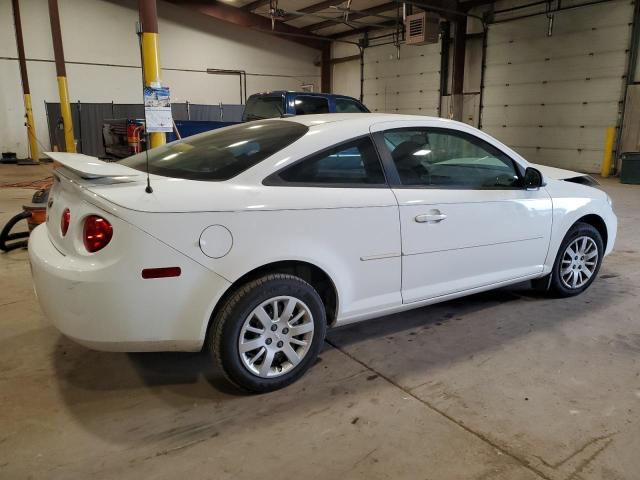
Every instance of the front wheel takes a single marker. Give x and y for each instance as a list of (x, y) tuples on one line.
[(268, 332), (578, 261)]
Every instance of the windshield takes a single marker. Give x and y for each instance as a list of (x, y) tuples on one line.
[(261, 107), (219, 154)]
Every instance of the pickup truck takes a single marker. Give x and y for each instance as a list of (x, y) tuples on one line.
[(285, 104)]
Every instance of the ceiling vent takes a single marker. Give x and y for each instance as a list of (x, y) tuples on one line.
[(422, 28)]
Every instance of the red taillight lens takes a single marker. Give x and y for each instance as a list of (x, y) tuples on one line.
[(64, 221), (97, 233)]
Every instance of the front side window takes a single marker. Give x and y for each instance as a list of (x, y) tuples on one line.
[(308, 105), (346, 105), (219, 154), (259, 108), (354, 163), (448, 158)]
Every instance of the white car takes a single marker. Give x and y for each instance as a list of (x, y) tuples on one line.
[(253, 239)]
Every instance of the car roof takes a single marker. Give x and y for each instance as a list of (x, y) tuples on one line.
[(371, 118), (295, 92)]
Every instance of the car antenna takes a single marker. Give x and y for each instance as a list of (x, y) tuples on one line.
[(148, 188)]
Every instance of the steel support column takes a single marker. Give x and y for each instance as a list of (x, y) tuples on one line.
[(325, 69), (61, 73), (457, 82), (34, 153)]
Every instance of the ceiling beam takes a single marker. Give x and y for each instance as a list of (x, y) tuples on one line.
[(243, 18), (385, 7), (357, 31), (469, 4), (250, 7), (316, 7)]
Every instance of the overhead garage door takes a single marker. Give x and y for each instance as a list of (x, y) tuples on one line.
[(551, 98), (409, 85)]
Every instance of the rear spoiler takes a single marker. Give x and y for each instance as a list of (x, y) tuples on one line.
[(91, 167)]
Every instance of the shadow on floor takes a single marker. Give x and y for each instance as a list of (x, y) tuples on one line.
[(144, 384)]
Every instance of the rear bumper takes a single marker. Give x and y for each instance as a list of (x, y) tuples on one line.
[(109, 306)]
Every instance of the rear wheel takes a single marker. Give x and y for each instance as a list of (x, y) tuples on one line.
[(268, 332), (578, 261)]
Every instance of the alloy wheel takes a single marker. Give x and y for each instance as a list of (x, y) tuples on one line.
[(579, 262), (276, 336)]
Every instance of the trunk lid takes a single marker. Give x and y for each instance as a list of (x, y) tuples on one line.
[(75, 181)]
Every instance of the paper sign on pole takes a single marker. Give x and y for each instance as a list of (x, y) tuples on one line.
[(157, 109)]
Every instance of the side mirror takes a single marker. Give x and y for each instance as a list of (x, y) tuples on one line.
[(532, 179)]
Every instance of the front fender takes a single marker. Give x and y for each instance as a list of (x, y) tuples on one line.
[(571, 202)]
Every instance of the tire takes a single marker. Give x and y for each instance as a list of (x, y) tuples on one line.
[(241, 325), (565, 271)]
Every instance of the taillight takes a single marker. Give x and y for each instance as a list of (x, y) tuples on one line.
[(64, 221), (97, 233)]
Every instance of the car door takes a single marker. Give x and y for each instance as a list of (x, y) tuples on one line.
[(466, 220), (360, 238)]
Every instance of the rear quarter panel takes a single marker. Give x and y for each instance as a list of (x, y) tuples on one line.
[(345, 241)]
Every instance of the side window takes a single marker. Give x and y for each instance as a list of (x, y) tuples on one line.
[(308, 105), (448, 158), (258, 108), (346, 105), (353, 163)]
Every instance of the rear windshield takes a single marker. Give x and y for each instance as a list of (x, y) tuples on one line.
[(259, 108), (219, 154)]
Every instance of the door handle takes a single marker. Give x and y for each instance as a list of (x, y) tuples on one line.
[(430, 217)]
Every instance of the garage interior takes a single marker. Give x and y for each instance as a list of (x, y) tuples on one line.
[(506, 384)]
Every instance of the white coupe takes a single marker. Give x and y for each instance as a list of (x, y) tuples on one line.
[(253, 239)]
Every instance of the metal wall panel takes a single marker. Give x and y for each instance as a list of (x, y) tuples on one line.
[(551, 98), (410, 84), (88, 119)]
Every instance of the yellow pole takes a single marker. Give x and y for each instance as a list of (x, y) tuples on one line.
[(608, 152), (31, 131), (61, 74), (65, 111), (151, 66)]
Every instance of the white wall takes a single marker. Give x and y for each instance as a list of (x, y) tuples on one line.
[(345, 77), (103, 32)]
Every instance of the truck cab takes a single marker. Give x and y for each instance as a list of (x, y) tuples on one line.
[(285, 103)]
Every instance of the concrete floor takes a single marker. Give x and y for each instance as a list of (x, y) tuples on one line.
[(501, 385)]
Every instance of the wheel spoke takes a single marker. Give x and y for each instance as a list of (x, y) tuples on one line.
[(570, 251), (574, 279), (295, 341), (587, 273), (291, 354), (590, 255), (255, 358), (263, 317), (265, 367), (251, 345), (298, 316), (583, 248), (252, 329), (288, 309), (301, 329)]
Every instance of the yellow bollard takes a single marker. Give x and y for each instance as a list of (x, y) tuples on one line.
[(608, 152), (65, 111)]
